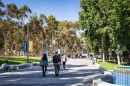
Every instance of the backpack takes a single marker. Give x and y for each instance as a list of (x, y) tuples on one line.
[(43, 62), (56, 59)]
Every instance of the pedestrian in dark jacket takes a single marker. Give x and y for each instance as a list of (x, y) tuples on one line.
[(44, 63), (57, 63)]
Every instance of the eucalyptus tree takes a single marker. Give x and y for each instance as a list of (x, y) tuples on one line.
[(75, 38), (1, 24), (42, 21), (36, 32), (24, 12), (52, 26), (15, 14), (1, 11), (12, 15), (12, 11), (67, 37), (63, 40), (63, 35)]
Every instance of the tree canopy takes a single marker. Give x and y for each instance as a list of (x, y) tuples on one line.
[(106, 24), (41, 29)]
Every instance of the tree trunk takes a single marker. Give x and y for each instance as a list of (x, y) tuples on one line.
[(5, 45), (118, 58), (103, 57), (129, 58), (103, 51)]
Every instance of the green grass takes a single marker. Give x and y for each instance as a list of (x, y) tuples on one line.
[(109, 65), (18, 59)]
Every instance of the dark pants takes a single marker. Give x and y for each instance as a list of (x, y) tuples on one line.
[(44, 69), (57, 69), (64, 64), (6, 69)]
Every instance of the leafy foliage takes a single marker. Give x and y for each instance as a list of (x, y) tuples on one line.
[(41, 29), (105, 22)]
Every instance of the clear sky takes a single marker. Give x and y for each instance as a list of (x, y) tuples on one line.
[(61, 9)]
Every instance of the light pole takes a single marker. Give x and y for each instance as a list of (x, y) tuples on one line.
[(27, 43), (53, 43)]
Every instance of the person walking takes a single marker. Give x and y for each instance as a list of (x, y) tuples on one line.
[(56, 63), (44, 63), (94, 59), (64, 60), (5, 66)]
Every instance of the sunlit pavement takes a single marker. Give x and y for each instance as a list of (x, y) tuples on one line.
[(79, 72)]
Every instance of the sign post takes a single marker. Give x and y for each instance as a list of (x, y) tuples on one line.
[(30, 46), (25, 48), (46, 51)]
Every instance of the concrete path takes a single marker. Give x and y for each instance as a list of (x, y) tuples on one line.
[(79, 72)]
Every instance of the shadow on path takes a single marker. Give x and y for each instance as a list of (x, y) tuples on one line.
[(33, 76)]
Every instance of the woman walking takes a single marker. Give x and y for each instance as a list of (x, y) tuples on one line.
[(64, 60), (44, 63)]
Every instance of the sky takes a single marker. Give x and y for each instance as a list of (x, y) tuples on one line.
[(61, 9)]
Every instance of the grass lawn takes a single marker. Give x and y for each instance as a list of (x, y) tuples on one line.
[(109, 65), (18, 59)]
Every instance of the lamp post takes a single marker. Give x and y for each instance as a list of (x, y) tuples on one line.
[(27, 44), (53, 43)]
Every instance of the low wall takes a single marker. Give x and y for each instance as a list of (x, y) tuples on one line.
[(106, 80), (21, 66), (122, 75), (99, 82)]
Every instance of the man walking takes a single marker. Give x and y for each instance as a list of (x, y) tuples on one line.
[(57, 63)]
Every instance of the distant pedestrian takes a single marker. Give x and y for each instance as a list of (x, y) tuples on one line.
[(44, 64), (64, 60), (5, 67), (57, 63), (94, 59)]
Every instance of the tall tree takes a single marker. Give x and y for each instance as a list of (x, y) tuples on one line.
[(53, 30), (1, 11), (106, 20)]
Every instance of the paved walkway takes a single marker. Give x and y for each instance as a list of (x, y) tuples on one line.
[(79, 72)]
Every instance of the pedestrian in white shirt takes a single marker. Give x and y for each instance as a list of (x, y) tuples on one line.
[(64, 60)]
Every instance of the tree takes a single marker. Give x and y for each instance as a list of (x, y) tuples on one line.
[(91, 21), (1, 24), (39, 28), (52, 26), (106, 22), (24, 12), (67, 38), (42, 21), (1, 11)]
